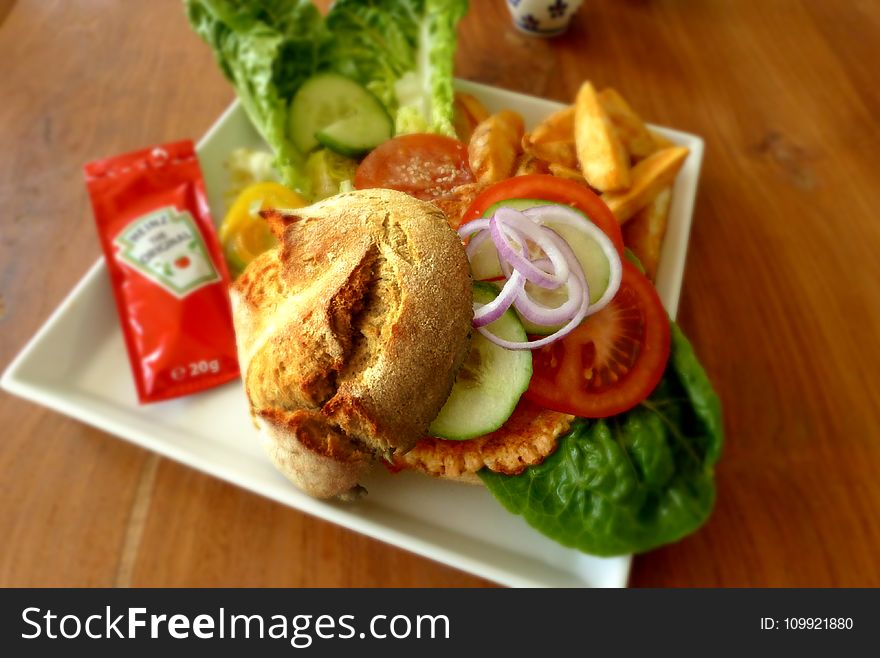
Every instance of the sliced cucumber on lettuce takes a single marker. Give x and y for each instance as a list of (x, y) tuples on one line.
[(632, 482), (267, 49), (401, 50)]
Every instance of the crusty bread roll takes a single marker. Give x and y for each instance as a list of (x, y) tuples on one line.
[(350, 333)]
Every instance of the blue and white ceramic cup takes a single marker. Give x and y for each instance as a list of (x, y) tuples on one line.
[(542, 18)]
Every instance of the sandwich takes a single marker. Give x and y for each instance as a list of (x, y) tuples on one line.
[(350, 333)]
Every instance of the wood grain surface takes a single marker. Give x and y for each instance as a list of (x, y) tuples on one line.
[(781, 296)]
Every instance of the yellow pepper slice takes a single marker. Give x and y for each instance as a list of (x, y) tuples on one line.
[(243, 233)]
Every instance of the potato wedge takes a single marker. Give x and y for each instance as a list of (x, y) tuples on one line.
[(603, 159), (529, 164), (552, 140), (561, 152), (558, 127), (644, 233), (468, 112), (495, 146), (566, 172), (650, 176), (630, 128)]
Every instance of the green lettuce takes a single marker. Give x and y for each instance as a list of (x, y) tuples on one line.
[(267, 49), (632, 482), (403, 51)]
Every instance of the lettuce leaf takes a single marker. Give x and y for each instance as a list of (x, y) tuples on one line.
[(403, 51), (267, 49), (632, 482)]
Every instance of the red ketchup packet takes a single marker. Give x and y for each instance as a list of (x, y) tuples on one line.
[(166, 268)]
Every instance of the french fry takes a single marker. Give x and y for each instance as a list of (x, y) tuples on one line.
[(558, 127), (566, 172), (650, 176), (603, 159), (495, 146), (558, 152), (529, 164), (468, 112), (644, 233), (630, 128), (552, 140)]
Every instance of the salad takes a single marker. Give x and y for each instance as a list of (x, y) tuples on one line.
[(566, 318)]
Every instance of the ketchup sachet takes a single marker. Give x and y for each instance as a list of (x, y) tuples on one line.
[(166, 269)]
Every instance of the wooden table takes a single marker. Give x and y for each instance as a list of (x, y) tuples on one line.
[(781, 295)]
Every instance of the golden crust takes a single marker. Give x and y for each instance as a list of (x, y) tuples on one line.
[(495, 146), (528, 437), (359, 318)]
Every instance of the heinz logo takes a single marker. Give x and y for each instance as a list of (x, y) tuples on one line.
[(166, 248)]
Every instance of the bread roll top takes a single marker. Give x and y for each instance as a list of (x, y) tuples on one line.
[(360, 319)]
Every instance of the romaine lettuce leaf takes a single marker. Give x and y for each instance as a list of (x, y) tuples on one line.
[(267, 49), (403, 51), (632, 482)]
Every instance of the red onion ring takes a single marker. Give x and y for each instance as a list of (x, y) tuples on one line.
[(487, 313), (509, 218), (564, 215), (577, 274), (549, 265), (477, 239), (519, 260), (549, 316), (546, 340), (480, 224)]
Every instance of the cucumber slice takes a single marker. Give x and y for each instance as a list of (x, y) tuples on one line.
[(490, 382), (355, 135), (589, 252), (336, 111)]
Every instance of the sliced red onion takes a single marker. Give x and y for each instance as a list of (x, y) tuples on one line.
[(487, 313), (472, 227), (578, 289), (513, 219), (546, 340), (550, 264), (501, 234), (474, 243), (566, 216), (549, 316), (577, 277)]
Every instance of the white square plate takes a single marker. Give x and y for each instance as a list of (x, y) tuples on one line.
[(77, 365)]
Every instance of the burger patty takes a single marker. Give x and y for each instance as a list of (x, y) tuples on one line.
[(526, 439)]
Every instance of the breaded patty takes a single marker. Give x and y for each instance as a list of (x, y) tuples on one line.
[(528, 437)]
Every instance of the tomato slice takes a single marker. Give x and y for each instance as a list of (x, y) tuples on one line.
[(610, 363), (549, 188), (425, 166)]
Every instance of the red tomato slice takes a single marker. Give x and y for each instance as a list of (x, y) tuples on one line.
[(613, 361), (425, 166), (549, 188)]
